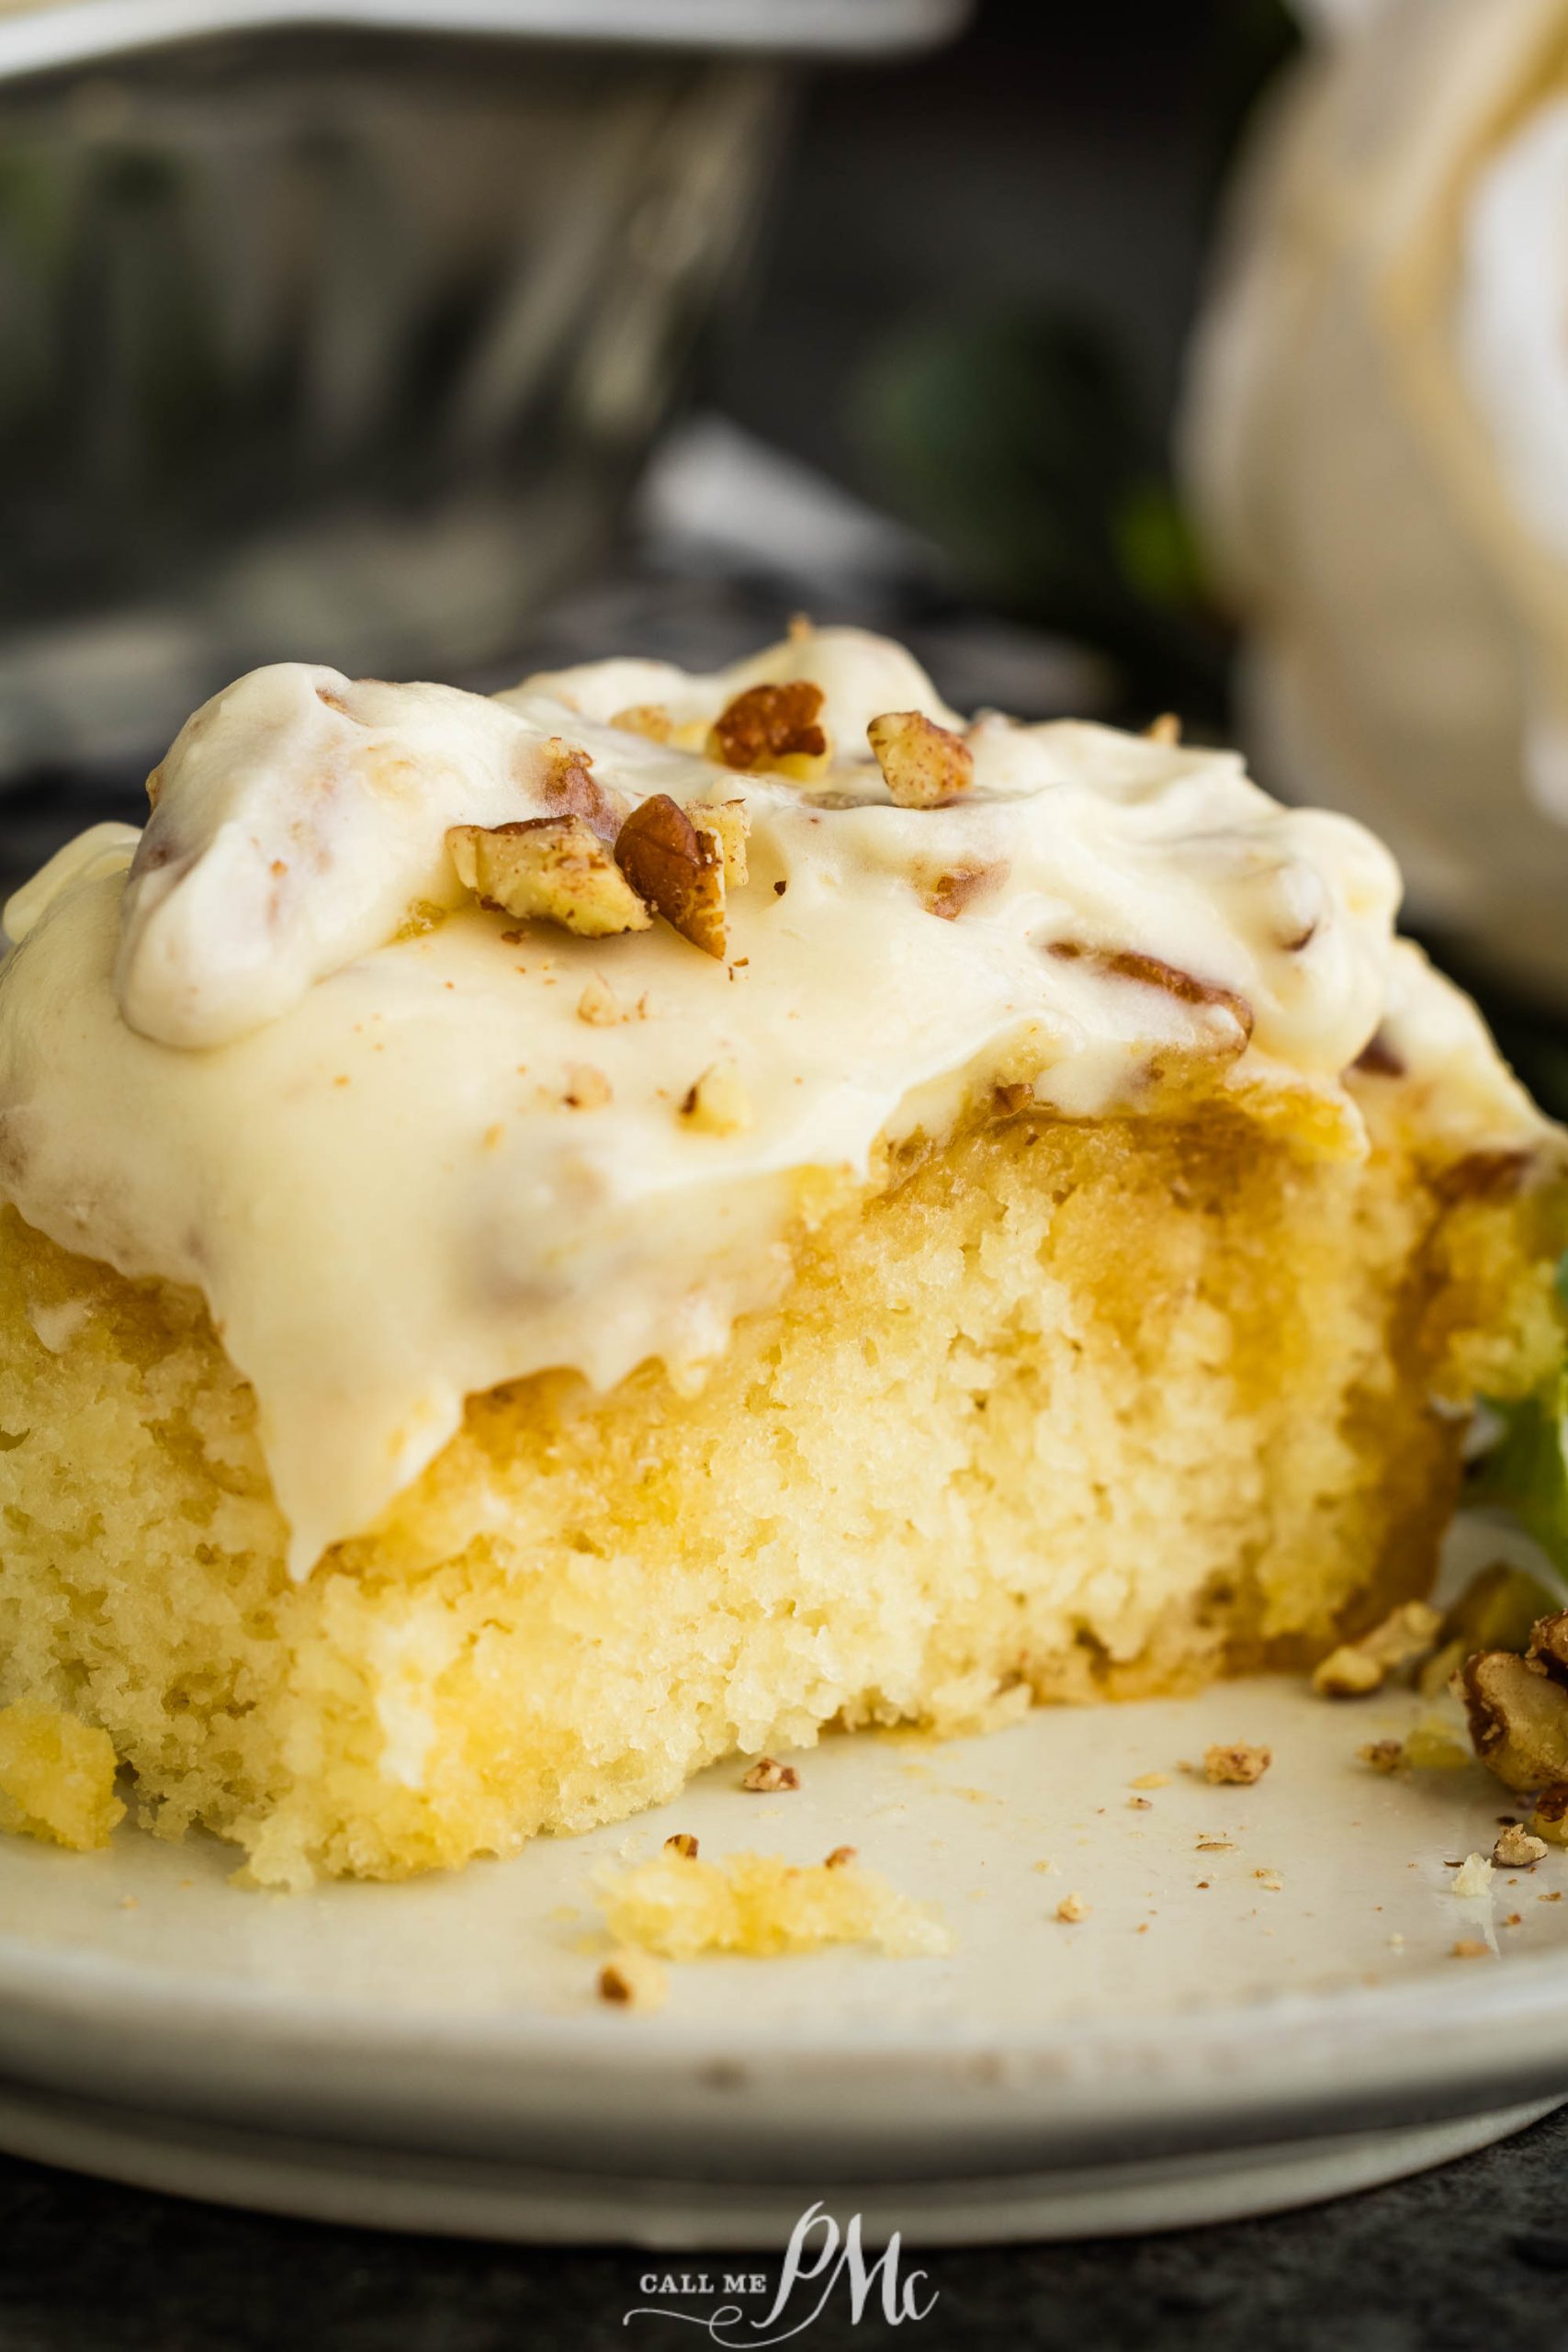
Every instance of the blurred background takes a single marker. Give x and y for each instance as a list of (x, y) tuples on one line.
[(1201, 357)]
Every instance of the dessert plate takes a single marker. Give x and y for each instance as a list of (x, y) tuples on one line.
[(1263, 2005)]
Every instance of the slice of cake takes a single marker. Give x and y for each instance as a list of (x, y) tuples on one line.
[(550, 1240)]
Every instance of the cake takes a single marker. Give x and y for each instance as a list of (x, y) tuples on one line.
[(554, 1238)]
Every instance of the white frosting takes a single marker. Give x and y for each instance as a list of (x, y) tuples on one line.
[(229, 1060)]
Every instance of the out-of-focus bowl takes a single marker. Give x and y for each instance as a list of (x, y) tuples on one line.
[(348, 342)]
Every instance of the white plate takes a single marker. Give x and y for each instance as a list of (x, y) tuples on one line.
[(149, 2010)]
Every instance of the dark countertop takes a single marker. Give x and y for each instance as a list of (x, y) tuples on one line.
[(1474, 2255)]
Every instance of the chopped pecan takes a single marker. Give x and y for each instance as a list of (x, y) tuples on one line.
[(649, 718), (587, 1088), (1235, 1763), (718, 1103), (1072, 1908), (600, 1006), (572, 789), (1516, 1849), (1378, 1058), (923, 765), (684, 1844), (767, 1777), (1549, 1645), (1382, 1755), (726, 823), (553, 868), (948, 892), (840, 1858), (774, 727), (1519, 1719), (677, 869), (1149, 971)]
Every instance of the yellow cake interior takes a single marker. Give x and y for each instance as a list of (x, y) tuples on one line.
[(1079, 1408)]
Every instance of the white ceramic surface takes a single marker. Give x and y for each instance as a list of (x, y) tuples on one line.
[(451, 2025)]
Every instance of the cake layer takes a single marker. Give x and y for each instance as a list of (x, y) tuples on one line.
[(1053, 1407)]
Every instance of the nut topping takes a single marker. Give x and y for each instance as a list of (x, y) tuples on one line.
[(768, 1777), (947, 893), (553, 869), (678, 870), (649, 718), (1235, 1764), (923, 765), (771, 729), (1149, 971), (572, 789), (1519, 1719), (718, 1103), (1516, 1849), (727, 824)]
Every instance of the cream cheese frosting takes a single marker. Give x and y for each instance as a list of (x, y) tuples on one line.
[(407, 1150)]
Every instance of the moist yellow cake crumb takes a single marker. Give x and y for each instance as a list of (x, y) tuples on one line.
[(761, 1906), (56, 1777), (1067, 1409)]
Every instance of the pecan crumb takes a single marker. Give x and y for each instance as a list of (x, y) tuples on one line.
[(677, 869), (767, 1777), (1072, 1907), (572, 789), (1216, 1845), (770, 728), (1235, 1763), (682, 1843), (649, 718), (599, 1005), (923, 765), (1140, 1804), (948, 893), (587, 1088), (717, 1104), (1517, 1849), (840, 1858), (553, 869), (1382, 1755), (1470, 1947), (633, 1980), (1272, 1880)]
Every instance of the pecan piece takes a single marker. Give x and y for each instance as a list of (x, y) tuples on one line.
[(1235, 1763), (946, 894), (1519, 1719), (553, 868), (677, 869), (727, 824), (774, 727), (923, 765), (647, 719), (1151, 972), (570, 788)]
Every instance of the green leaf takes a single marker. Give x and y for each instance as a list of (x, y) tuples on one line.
[(1527, 1471)]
